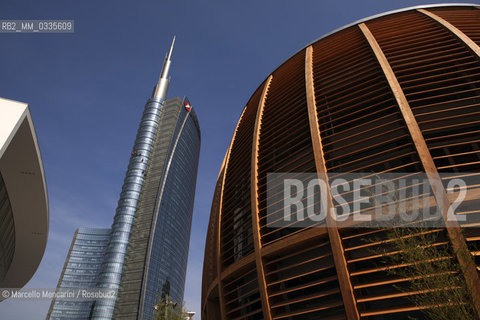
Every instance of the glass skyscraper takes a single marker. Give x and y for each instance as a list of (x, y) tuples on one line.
[(149, 240), (80, 271), (159, 241)]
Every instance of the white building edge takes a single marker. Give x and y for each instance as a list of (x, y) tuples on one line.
[(21, 170)]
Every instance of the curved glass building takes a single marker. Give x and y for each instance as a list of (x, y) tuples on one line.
[(158, 246), (150, 235), (80, 271), (395, 93)]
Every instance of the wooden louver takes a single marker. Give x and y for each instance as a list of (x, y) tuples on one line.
[(397, 93)]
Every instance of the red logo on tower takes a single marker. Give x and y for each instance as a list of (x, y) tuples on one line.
[(187, 106)]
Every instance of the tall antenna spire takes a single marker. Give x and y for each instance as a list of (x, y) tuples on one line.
[(164, 81)]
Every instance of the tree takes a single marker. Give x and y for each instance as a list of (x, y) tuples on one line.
[(429, 265), (167, 309), (432, 270)]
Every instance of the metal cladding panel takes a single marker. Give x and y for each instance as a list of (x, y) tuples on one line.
[(396, 93)]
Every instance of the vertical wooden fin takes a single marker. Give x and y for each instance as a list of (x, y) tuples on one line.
[(333, 234), (225, 163), (219, 245), (262, 286), (453, 229)]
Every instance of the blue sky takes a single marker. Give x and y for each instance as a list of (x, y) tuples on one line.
[(87, 90)]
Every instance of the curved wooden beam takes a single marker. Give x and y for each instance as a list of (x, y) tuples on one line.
[(453, 229), (218, 246), (333, 234), (262, 286)]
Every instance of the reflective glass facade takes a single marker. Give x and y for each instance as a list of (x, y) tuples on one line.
[(81, 270), (127, 210), (151, 232), (170, 235)]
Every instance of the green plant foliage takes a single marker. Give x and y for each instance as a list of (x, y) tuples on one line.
[(421, 253), (432, 271), (167, 309)]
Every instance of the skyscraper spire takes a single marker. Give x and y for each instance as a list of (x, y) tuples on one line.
[(146, 251), (164, 81), (111, 270)]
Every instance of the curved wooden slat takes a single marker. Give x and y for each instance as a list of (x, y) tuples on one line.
[(333, 234), (255, 207), (219, 227), (456, 237), (226, 161), (212, 245), (236, 267), (462, 36)]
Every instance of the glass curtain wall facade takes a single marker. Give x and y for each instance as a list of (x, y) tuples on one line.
[(162, 176), (158, 247), (81, 270), (398, 92)]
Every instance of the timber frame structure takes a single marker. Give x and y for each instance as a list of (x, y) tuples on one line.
[(398, 92)]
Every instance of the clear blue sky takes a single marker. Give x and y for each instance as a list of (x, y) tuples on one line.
[(87, 90)]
